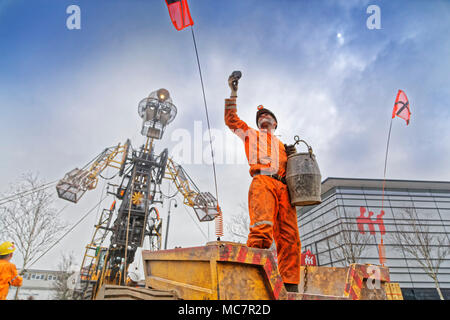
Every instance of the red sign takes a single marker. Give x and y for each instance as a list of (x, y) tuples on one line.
[(362, 220), (308, 259)]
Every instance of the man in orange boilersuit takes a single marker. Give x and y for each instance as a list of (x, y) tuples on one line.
[(8, 271), (271, 214)]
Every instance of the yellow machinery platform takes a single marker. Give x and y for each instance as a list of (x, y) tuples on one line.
[(232, 271)]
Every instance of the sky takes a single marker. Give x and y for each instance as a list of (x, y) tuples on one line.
[(65, 94)]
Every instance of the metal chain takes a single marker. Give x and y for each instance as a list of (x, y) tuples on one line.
[(305, 282)]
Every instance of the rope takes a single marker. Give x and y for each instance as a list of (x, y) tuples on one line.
[(70, 230)]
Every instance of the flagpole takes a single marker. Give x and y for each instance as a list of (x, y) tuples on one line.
[(385, 163), (381, 246)]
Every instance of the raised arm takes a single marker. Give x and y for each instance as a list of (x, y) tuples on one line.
[(232, 120)]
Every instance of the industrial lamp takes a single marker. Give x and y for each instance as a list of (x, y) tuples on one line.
[(156, 111)]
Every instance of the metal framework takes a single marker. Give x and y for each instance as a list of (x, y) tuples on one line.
[(136, 217)]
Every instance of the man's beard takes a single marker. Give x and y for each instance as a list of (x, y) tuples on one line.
[(271, 123)]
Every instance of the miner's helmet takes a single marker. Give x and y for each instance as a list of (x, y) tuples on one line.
[(261, 111), (7, 248)]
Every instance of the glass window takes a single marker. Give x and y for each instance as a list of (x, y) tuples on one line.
[(372, 261), (400, 213), (324, 258), (352, 212), (389, 225), (401, 204), (443, 204), (351, 190), (420, 192), (396, 197), (375, 204), (397, 192), (377, 191), (395, 277), (322, 245), (370, 251), (443, 193), (422, 277), (445, 215), (428, 214), (306, 229), (424, 204), (444, 277), (33, 276), (354, 202), (340, 202), (414, 264), (397, 265)]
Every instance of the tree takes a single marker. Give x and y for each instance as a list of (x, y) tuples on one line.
[(238, 227), (347, 243), (30, 221), (427, 248), (66, 267)]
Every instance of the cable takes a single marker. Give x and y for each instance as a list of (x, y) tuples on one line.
[(27, 192), (168, 197), (70, 230), (115, 175), (195, 222), (60, 211), (207, 116)]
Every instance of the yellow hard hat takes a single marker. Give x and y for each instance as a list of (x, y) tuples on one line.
[(6, 248)]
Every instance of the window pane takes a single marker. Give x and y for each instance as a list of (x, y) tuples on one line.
[(395, 277), (428, 214), (397, 192), (324, 258), (424, 204), (351, 190), (443, 204), (354, 202), (322, 246), (401, 204)]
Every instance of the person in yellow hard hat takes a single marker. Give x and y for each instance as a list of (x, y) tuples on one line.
[(8, 272)]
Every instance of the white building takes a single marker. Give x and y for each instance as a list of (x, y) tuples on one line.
[(37, 285)]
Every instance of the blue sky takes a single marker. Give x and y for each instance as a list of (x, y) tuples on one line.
[(65, 95)]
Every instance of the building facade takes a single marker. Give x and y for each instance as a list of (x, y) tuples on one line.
[(349, 224), (37, 285)]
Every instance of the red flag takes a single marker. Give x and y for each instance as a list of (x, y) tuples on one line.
[(179, 14), (401, 107)]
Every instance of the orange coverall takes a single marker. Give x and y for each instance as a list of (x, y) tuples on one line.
[(271, 214), (8, 276)]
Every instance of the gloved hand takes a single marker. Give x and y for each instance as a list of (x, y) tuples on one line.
[(290, 149), (233, 86)]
